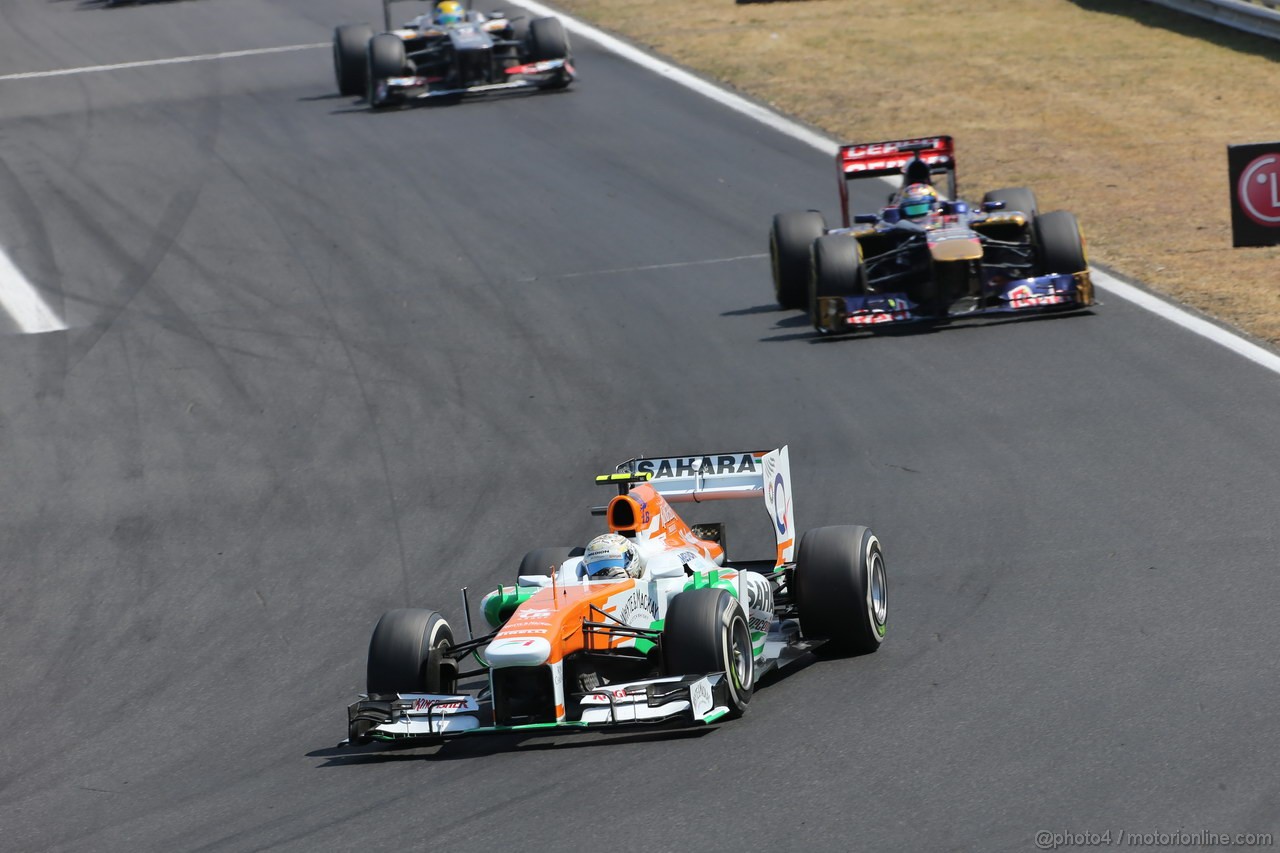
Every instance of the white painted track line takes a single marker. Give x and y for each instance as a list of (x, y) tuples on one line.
[(650, 267), (1175, 314), (175, 60), (631, 53), (23, 303), (17, 295)]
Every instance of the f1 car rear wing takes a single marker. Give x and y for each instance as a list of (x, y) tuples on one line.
[(916, 160), (723, 476)]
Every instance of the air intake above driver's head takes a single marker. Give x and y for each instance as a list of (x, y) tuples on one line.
[(622, 514)]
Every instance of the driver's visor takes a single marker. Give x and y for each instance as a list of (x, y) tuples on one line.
[(604, 564), (914, 210)]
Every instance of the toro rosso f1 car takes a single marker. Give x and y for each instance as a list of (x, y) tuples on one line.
[(682, 637), (937, 260), (470, 53)]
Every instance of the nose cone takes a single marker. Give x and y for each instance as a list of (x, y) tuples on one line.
[(518, 651), (953, 249)]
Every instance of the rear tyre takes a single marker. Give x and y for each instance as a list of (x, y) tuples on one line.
[(547, 39), (836, 270), (350, 65), (790, 245), (409, 653), (520, 29), (1061, 243), (1015, 198), (542, 561), (386, 59), (706, 631), (842, 590)]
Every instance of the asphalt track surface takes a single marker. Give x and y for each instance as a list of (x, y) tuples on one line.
[(322, 363)]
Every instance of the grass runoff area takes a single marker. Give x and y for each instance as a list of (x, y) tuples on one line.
[(1118, 110)]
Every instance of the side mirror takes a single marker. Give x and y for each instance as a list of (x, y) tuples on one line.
[(865, 218), (990, 206)]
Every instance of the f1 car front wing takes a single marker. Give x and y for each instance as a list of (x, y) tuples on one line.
[(690, 698), (530, 76), (1067, 291)]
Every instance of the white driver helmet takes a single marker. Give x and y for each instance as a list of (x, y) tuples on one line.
[(611, 556)]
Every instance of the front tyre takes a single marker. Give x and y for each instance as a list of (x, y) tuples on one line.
[(1061, 243), (547, 39), (842, 588), (836, 269), (409, 653), (386, 59), (790, 241), (350, 67), (705, 631)]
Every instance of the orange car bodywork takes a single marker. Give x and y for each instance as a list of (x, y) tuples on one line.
[(646, 514), (557, 612)]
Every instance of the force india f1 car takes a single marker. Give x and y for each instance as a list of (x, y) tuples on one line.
[(883, 268), (423, 59), (683, 642)]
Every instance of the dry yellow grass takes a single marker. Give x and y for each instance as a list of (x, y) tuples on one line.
[(1116, 109)]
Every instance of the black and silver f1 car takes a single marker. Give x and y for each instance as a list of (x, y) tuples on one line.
[(426, 58), (942, 261)]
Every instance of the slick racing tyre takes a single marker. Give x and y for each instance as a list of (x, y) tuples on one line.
[(1015, 198), (409, 653), (705, 631), (1061, 243), (386, 59), (790, 244), (547, 40), (350, 66), (842, 591), (519, 30), (836, 270), (542, 561)]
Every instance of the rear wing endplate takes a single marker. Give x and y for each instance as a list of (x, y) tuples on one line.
[(723, 476), (890, 158)]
